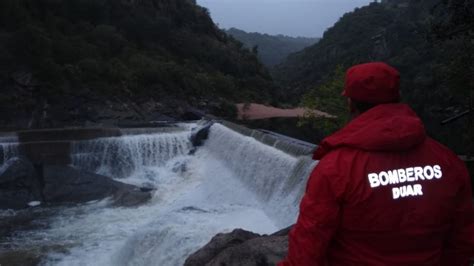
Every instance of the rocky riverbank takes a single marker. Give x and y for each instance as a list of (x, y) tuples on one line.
[(61, 208), (30, 195), (24, 185), (89, 108), (242, 248)]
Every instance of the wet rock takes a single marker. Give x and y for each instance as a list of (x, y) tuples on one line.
[(283, 232), (217, 245), (242, 248), (19, 258), (12, 221), (193, 209), (65, 184), (146, 189), (260, 251), (200, 134), (130, 196), (19, 184)]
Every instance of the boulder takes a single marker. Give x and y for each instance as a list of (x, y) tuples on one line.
[(65, 184), (19, 258), (261, 251), (217, 244), (241, 248), (19, 184), (199, 135)]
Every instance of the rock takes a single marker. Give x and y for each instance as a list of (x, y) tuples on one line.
[(146, 189), (19, 184), (283, 232), (130, 196), (14, 221), (241, 248), (261, 251), (217, 244), (200, 134), (19, 258), (191, 113), (65, 184)]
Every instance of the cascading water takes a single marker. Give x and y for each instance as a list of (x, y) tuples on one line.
[(232, 181), (8, 150), (275, 177), (120, 157)]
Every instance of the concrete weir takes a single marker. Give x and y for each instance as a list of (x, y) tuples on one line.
[(286, 144), (53, 146), (200, 179)]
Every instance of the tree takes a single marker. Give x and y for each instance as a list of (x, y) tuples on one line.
[(327, 97), (453, 25)]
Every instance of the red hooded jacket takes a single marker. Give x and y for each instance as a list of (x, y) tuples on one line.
[(384, 193)]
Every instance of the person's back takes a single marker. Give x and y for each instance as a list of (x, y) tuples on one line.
[(400, 190), (384, 194)]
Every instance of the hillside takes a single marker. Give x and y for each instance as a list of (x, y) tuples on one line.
[(271, 49), (374, 32), (73, 62), (436, 70)]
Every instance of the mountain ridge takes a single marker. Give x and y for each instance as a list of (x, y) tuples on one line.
[(271, 49)]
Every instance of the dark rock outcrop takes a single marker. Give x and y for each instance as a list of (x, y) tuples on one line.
[(19, 258), (218, 243), (191, 113), (19, 184), (65, 184), (242, 248), (201, 134)]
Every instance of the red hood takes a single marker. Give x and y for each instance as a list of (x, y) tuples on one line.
[(386, 127)]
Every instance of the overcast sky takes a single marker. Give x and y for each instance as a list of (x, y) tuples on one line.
[(309, 18)]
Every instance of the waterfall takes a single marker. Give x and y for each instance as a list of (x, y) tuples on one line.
[(119, 157), (8, 148), (238, 178), (274, 170), (277, 178)]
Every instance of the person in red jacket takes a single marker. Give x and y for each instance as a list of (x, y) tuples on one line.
[(383, 193)]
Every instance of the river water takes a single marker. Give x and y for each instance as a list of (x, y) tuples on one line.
[(232, 181)]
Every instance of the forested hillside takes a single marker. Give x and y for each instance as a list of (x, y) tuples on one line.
[(73, 61), (271, 49), (429, 41)]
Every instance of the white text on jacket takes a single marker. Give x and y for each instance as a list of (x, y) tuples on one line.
[(406, 175)]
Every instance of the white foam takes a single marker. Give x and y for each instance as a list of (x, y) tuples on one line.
[(187, 210), (231, 182), (34, 203), (120, 157), (275, 177)]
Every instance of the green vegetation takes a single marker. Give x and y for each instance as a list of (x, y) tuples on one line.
[(327, 97), (128, 49), (271, 50), (429, 41)]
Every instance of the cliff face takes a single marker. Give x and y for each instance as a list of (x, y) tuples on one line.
[(76, 62)]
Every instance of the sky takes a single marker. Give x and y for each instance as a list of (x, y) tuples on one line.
[(307, 18)]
